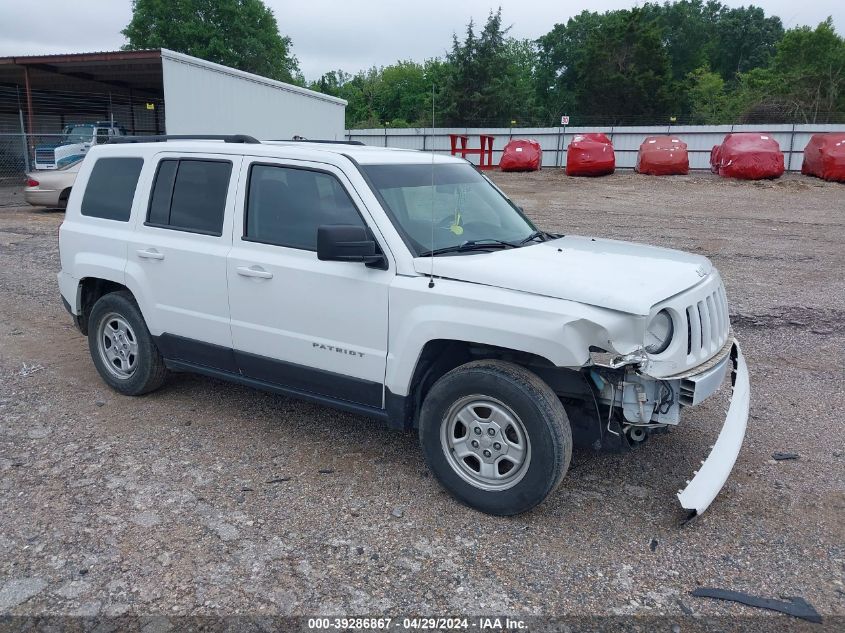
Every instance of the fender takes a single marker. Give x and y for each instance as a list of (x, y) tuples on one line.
[(558, 331)]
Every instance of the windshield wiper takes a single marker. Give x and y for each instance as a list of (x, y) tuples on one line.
[(470, 245), (543, 235)]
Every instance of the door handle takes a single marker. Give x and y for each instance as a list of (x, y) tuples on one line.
[(150, 253), (254, 271)]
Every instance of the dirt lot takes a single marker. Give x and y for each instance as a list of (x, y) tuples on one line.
[(207, 498)]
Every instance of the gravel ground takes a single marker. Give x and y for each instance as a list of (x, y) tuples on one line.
[(208, 498)]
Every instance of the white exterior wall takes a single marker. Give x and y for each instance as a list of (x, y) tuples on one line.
[(206, 98), (626, 140)]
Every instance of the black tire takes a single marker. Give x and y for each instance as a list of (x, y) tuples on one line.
[(63, 198), (538, 410), (149, 371)]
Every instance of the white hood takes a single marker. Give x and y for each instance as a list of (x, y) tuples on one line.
[(606, 273)]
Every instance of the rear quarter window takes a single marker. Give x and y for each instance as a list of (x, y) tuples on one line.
[(111, 188)]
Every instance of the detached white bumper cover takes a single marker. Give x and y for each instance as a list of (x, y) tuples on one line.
[(714, 471)]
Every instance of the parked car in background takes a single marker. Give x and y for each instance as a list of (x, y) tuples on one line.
[(51, 188), (76, 140)]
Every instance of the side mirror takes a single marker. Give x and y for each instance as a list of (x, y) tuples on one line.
[(347, 243)]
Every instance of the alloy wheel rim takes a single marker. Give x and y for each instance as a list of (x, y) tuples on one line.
[(118, 346), (485, 443)]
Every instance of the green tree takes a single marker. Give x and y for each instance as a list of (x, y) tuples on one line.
[(331, 83), (560, 54), (744, 38), (806, 80), (398, 95), (242, 34), (687, 29), (401, 93), (710, 103), (625, 72), (491, 77)]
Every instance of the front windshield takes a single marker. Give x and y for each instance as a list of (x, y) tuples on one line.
[(78, 134), (462, 206)]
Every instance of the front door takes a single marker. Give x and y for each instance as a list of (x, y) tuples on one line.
[(312, 326)]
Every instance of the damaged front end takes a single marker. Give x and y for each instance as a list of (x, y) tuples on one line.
[(635, 404)]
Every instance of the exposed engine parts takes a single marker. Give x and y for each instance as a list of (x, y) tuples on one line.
[(643, 401)]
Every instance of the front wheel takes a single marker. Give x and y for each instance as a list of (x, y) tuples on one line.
[(496, 436)]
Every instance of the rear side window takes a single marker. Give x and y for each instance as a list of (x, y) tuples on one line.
[(285, 206), (111, 188), (190, 195)]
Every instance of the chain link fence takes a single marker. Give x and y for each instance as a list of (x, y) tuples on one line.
[(28, 126), (14, 155)]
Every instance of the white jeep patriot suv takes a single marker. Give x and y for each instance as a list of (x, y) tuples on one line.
[(402, 286)]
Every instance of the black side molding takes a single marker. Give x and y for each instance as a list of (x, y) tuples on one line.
[(179, 348), (339, 391), (335, 403)]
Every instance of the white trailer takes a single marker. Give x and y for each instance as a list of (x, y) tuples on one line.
[(206, 98)]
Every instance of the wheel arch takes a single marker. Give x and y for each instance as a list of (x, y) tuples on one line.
[(88, 292), (439, 356)]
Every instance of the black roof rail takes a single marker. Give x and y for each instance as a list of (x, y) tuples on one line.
[(226, 138), (314, 140)]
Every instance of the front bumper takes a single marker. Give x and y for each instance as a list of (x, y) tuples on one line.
[(714, 471)]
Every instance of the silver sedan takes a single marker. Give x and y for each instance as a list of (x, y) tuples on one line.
[(50, 188)]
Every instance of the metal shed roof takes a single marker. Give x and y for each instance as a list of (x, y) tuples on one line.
[(138, 70)]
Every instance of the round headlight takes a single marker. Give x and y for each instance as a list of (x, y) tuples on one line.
[(658, 333)]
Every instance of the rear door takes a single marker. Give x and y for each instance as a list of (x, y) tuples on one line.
[(309, 325), (177, 256)]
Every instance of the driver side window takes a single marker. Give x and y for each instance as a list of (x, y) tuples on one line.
[(285, 205)]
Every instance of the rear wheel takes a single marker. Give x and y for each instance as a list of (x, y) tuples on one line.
[(122, 348), (496, 436), (63, 198)]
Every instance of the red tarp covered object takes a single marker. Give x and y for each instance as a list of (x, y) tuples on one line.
[(521, 155), (590, 155), (824, 156), (750, 155), (715, 157), (663, 156)]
